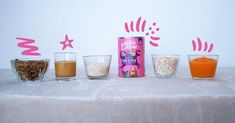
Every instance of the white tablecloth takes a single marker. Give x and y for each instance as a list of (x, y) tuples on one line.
[(119, 100)]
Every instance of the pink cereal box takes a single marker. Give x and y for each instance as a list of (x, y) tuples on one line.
[(131, 57)]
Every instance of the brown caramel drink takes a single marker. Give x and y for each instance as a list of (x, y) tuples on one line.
[(65, 65), (65, 68)]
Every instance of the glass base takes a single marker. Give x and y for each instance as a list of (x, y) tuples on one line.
[(199, 78), (65, 78), (165, 76), (97, 77)]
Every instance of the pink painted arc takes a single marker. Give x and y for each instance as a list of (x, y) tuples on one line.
[(155, 38), (138, 24), (143, 26), (205, 47), (194, 45), (31, 50), (211, 48), (153, 44), (126, 27), (132, 28), (199, 44)]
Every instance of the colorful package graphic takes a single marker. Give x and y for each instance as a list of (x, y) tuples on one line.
[(131, 57)]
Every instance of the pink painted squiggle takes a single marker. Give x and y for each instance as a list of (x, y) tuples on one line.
[(31, 50)]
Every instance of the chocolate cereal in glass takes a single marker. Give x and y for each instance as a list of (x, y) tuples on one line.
[(65, 65)]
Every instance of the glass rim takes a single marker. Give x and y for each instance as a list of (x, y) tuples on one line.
[(31, 59), (97, 56), (165, 55), (130, 37), (203, 55), (65, 53)]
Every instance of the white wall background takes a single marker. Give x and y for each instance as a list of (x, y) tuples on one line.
[(95, 25)]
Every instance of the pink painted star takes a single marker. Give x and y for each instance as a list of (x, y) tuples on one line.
[(66, 43)]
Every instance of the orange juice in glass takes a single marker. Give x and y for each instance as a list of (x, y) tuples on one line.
[(203, 66)]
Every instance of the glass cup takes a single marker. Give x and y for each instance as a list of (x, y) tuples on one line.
[(165, 66), (97, 66), (203, 66), (30, 69), (65, 65)]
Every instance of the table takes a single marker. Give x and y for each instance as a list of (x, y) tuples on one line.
[(119, 100)]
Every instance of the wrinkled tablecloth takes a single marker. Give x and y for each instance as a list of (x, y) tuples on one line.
[(119, 100)]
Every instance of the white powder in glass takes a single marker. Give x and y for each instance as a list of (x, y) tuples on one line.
[(97, 70), (165, 66)]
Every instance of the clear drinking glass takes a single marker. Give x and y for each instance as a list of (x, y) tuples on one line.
[(97, 66), (30, 69), (65, 65), (203, 66), (165, 65)]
